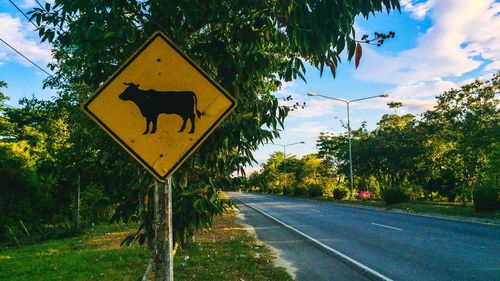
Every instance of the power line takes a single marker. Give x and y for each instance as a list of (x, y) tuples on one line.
[(26, 16), (8, 106), (39, 4), (25, 57)]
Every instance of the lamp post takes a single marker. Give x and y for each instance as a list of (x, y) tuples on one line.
[(348, 102), (284, 154)]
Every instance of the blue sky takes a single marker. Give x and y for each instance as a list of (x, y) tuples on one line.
[(439, 45)]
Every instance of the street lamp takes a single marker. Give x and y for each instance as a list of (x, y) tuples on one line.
[(284, 154), (348, 102)]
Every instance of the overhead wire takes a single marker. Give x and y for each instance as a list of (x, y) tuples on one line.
[(15, 50), (26, 16), (41, 6), (26, 58)]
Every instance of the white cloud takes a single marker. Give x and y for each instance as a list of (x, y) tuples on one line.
[(423, 89), (250, 169), (416, 97), (465, 35), (21, 35), (421, 96), (316, 107), (309, 129), (416, 10), (494, 66)]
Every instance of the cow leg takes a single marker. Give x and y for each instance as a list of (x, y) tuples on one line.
[(191, 118), (184, 121), (155, 121), (147, 127)]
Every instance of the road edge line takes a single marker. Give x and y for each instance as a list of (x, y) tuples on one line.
[(365, 270)]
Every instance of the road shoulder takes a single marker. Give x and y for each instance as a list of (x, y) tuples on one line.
[(306, 260)]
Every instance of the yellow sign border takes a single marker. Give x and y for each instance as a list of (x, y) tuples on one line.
[(198, 142)]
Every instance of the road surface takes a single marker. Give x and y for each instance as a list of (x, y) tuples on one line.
[(397, 246)]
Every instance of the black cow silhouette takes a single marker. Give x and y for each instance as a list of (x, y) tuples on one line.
[(152, 103)]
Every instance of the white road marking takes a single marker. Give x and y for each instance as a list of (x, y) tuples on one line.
[(386, 226), (374, 274), (316, 211)]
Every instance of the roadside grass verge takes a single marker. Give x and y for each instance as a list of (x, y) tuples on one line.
[(95, 255), (446, 209), (230, 252), (225, 252)]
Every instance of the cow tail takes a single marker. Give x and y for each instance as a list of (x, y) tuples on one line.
[(198, 113)]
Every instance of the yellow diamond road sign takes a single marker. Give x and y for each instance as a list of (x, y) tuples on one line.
[(160, 106)]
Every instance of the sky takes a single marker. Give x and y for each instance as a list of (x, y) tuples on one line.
[(439, 45)]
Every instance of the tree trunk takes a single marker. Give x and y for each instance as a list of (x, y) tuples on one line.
[(76, 213)]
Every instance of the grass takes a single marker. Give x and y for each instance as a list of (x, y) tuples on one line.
[(421, 207), (448, 209), (225, 252), (230, 253), (93, 256)]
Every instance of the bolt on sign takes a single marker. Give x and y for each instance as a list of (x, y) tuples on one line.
[(159, 106)]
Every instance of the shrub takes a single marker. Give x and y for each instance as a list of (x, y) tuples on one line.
[(288, 190), (95, 205), (22, 195), (255, 189), (301, 189), (340, 193), (487, 197), (395, 195), (315, 189), (276, 189)]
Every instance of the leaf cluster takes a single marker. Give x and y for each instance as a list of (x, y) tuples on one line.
[(247, 47)]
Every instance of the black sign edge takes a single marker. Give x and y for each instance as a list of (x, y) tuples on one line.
[(84, 107)]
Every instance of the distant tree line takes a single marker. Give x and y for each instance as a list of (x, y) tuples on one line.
[(451, 152)]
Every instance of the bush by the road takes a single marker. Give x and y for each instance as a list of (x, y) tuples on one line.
[(301, 189), (487, 197), (275, 189), (22, 200), (395, 195), (339, 193), (288, 190), (315, 189)]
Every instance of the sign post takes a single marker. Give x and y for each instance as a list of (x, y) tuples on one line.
[(160, 106), (163, 262)]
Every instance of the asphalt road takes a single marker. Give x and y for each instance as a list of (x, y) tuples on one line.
[(398, 246), (306, 261)]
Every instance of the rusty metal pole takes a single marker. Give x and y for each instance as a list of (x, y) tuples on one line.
[(163, 262)]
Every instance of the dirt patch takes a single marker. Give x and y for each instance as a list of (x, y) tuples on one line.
[(223, 229), (277, 260), (110, 240)]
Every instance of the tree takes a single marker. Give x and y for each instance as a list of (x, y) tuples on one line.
[(466, 119), (450, 149), (247, 47), (5, 126), (395, 105), (333, 150), (23, 199)]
